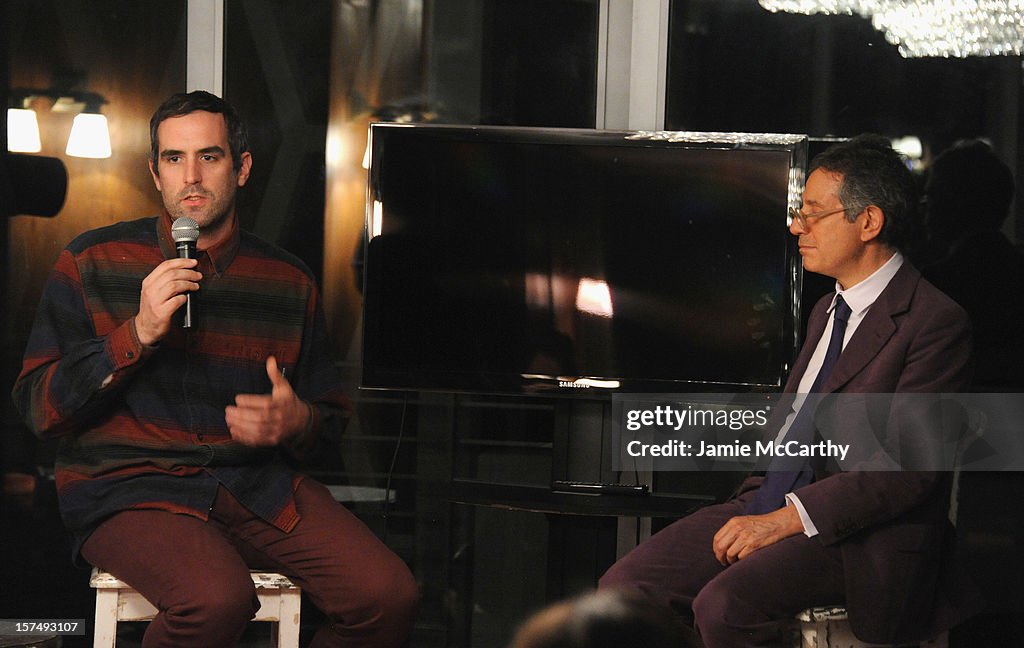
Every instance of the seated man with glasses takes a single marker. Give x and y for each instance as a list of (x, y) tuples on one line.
[(877, 542)]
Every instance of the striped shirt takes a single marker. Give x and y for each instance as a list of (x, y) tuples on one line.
[(143, 427)]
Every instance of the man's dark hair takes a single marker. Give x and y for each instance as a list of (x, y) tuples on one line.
[(874, 174), (185, 103)]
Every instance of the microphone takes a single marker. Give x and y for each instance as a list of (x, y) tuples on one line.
[(185, 232)]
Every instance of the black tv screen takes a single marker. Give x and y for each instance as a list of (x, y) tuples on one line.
[(524, 260)]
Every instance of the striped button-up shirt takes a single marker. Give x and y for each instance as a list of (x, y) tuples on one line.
[(143, 427)]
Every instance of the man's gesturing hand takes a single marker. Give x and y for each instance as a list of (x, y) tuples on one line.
[(163, 292), (745, 534), (267, 420)]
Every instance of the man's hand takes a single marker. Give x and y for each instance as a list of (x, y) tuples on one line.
[(745, 534), (267, 420), (163, 292)]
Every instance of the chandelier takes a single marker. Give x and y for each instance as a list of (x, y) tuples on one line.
[(948, 28)]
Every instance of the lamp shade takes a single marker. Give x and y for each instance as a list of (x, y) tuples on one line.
[(90, 137), (22, 131)]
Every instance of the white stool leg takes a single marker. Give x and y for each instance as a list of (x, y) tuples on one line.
[(105, 634), (289, 621)]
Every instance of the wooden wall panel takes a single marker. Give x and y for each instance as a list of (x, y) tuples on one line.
[(132, 53)]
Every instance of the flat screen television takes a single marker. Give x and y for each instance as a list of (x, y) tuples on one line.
[(536, 260)]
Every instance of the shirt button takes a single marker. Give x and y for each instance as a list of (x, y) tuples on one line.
[(130, 354)]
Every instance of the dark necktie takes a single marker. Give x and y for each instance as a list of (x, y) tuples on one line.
[(781, 480)]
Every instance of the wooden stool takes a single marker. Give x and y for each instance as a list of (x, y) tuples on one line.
[(280, 603)]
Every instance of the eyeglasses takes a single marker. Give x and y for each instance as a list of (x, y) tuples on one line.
[(806, 220)]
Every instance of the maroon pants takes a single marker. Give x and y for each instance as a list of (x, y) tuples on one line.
[(197, 573), (749, 603)]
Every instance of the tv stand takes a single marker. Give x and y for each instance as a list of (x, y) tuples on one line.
[(483, 509)]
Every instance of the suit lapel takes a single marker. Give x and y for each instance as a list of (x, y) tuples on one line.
[(878, 327)]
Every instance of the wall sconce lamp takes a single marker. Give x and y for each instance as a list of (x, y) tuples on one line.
[(23, 131), (90, 137)]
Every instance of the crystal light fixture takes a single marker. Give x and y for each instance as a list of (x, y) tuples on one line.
[(947, 28)]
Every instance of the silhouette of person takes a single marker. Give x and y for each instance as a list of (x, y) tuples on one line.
[(968, 193), (605, 619)]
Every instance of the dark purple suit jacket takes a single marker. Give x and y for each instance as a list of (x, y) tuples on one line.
[(892, 527)]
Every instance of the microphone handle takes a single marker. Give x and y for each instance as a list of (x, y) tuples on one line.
[(187, 250)]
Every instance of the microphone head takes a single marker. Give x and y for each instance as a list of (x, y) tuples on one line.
[(185, 230)]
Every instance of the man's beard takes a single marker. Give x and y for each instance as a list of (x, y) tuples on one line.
[(211, 214)]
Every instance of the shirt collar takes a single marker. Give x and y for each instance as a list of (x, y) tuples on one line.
[(860, 297), (218, 257)]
